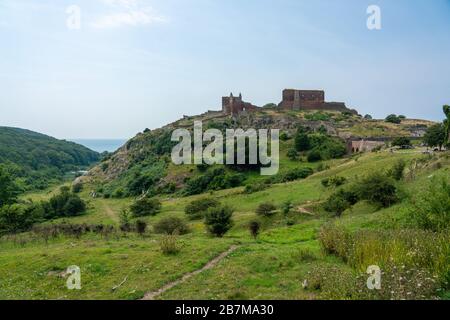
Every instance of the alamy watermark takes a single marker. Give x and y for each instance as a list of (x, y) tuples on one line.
[(192, 151), (73, 21), (374, 19), (374, 280), (74, 280)]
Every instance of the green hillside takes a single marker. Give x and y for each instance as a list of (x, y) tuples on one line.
[(36, 160), (143, 164), (288, 251), (309, 232)]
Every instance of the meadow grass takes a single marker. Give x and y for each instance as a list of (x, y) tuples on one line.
[(272, 267)]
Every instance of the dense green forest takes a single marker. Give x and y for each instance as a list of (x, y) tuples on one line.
[(36, 160)]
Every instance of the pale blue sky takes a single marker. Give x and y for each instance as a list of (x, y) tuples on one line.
[(138, 63)]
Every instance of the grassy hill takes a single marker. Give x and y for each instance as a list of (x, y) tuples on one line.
[(305, 252), (143, 164), (36, 160), (275, 266)]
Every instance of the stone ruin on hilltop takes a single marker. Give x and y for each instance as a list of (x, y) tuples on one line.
[(292, 100)]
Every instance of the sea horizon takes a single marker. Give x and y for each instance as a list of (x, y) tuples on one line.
[(101, 145)]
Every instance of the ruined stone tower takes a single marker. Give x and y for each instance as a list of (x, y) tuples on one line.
[(235, 105)]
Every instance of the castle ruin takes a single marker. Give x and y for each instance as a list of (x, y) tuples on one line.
[(235, 105), (292, 100), (310, 100)]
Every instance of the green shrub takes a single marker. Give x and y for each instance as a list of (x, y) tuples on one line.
[(118, 193), (431, 208), (286, 208), (213, 179), (322, 167), (145, 207), (336, 204), (328, 147), (317, 116), (169, 244), (141, 227), (255, 187), (198, 208), (396, 172), (266, 209), (435, 136), (17, 218), (296, 174), (335, 181), (302, 142), (335, 240), (64, 204), (254, 227), (218, 220), (378, 189), (77, 187), (401, 142), (284, 136), (292, 154), (171, 225), (8, 188), (392, 118), (314, 156)]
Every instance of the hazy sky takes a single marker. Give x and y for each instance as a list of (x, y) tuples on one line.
[(138, 63)]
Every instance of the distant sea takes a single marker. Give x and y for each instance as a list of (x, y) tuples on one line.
[(101, 145)]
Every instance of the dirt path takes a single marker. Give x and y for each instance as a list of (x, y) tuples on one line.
[(109, 212), (211, 264), (304, 207)]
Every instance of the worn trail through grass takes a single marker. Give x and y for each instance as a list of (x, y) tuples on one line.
[(211, 264)]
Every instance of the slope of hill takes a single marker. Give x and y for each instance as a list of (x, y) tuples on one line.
[(143, 163), (288, 251), (36, 159)]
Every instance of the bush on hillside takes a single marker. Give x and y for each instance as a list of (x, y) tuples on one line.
[(218, 220), (292, 154), (401, 142), (17, 218), (77, 187), (266, 209), (64, 204), (171, 225), (296, 174), (8, 188), (141, 227), (378, 189), (392, 118), (336, 204), (145, 207), (198, 208), (314, 156), (431, 209), (255, 187), (284, 136), (334, 181), (317, 116), (396, 172), (213, 179), (254, 227), (328, 147), (435, 136), (169, 244), (302, 142)]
